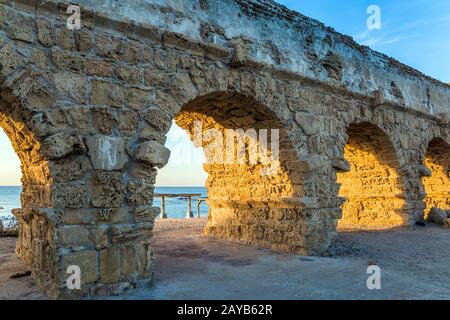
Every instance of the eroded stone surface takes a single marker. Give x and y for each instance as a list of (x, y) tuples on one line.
[(87, 112)]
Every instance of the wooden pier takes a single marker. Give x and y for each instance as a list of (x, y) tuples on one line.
[(189, 196)]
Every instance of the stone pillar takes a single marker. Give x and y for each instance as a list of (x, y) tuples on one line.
[(88, 166)]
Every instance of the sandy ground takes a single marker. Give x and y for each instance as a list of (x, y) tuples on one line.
[(415, 264), (20, 288)]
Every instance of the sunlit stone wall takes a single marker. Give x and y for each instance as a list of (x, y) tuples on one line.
[(88, 112), (372, 187), (437, 183)]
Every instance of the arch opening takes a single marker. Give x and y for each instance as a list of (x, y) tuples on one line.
[(10, 186), (437, 184), (248, 155), (180, 185), (372, 187)]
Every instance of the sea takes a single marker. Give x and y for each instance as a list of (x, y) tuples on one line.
[(175, 207)]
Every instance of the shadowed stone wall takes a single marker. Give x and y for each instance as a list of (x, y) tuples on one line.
[(88, 110)]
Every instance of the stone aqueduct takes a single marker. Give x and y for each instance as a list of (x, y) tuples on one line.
[(364, 138)]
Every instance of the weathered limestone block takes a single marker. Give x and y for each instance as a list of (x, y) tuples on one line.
[(146, 213), (154, 153), (128, 122), (310, 123), (130, 74), (425, 171), (137, 98), (101, 236), (444, 118), (45, 33), (66, 60), (106, 93), (439, 217), (341, 164), (109, 267), (157, 119), (407, 141), (140, 192), (144, 253), (69, 168), (73, 236), (104, 119), (37, 195), (70, 195), (437, 159), (129, 233), (378, 98), (143, 170), (57, 119), (31, 87), (240, 54), (107, 46), (148, 133), (78, 216), (113, 216), (182, 87), (99, 68), (52, 216), (3, 15), (310, 163), (106, 190), (132, 52), (155, 77), (62, 144), (107, 153), (10, 60), (22, 28), (85, 259), (129, 265), (65, 38), (71, 85), (83, 40)]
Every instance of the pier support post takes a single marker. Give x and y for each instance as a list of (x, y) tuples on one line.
[(189, 213), (163, 208)]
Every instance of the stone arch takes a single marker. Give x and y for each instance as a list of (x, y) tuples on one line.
[(436, 179), (372, 184), (35, 244), (254, 201)]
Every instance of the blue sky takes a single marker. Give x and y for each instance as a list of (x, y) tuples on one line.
[(415, 32)]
